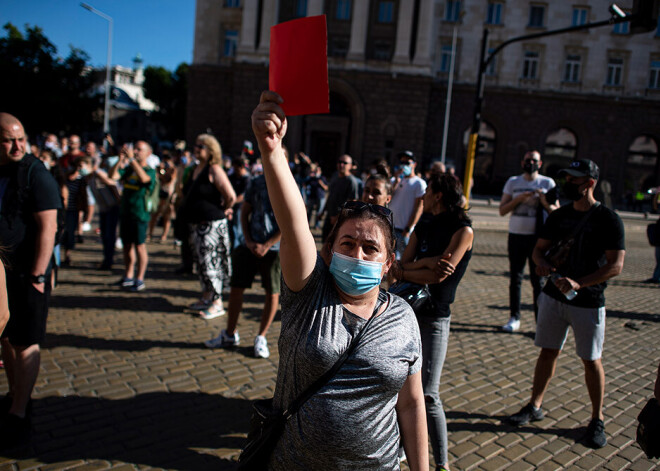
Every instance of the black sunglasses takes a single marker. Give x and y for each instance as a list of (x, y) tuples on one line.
[(360, 206)]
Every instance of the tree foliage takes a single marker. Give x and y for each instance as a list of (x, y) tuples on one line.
[(169, 90), (45, 91)]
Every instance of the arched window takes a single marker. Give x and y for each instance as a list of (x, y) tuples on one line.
[(560, 149), (641, 171), (484, 158)]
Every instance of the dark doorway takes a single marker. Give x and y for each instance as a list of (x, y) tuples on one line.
[(325, 149)]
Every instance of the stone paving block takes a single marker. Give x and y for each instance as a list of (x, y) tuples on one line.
[(565, 459)]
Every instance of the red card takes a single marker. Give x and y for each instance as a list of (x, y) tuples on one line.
[(299, 65)]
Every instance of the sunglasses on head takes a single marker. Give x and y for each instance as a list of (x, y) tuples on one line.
[(359, 206)]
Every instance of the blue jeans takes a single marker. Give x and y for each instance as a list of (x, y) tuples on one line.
[(435, 337)]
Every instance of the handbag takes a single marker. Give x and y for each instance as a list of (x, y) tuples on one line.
[(416, 295), (648, 429), (557, 254), (267, 423)]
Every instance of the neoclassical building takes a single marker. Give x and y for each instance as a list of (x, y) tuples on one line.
[(593, 94)]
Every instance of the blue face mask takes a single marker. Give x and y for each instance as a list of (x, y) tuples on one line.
[(407, 170), (354, 276)]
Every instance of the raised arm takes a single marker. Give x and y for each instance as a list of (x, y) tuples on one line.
[(297, 249)]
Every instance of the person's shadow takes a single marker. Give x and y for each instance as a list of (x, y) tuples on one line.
[(182, 431)]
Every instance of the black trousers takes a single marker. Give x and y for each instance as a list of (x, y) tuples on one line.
[(520, 251)]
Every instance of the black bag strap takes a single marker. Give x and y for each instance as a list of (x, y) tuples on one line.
[(583, 221), (327, 376)]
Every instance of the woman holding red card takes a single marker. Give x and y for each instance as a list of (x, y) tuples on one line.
[(356, 420)]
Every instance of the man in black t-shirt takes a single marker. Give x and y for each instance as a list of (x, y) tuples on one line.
[(29, 200), (574, 294)]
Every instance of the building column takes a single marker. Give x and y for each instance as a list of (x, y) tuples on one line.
[(247, 41), (268, 19), (404, 32), (424, 34), (359, 27), (314, 7)]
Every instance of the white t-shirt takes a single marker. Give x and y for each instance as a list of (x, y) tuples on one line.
[(523, 217), (403, 201)]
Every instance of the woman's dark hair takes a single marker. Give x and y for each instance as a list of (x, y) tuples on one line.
[(452, 194), (346, 215)]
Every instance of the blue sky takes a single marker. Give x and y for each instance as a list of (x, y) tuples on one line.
[(161, 31)]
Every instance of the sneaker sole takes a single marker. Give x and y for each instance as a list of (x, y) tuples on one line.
[(212, 315)]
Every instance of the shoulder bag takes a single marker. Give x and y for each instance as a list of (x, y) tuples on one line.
[(416, 295), (558, 252), (267, 423), (648, 429)]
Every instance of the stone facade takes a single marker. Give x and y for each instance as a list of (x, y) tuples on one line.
[(587, 94)]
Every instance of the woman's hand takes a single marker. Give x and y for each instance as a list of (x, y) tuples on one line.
[(269, 122), (443, 267)]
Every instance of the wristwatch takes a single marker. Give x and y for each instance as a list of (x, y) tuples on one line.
[(38, 278)]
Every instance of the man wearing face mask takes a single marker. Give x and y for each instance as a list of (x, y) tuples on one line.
[(526, 197), (575, 295), (407, 202)]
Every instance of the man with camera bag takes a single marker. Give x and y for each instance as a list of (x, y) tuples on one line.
[(574, 294)]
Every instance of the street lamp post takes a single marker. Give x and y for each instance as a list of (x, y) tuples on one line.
[(106, 108), (647, 16)]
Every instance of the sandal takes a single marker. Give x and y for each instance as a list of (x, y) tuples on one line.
[(213, 311)]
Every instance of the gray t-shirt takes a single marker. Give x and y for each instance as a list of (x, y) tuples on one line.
[(351, 423)]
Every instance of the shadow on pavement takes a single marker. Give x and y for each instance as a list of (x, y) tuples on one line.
[(95, 343), (170, 430), (498, 423)]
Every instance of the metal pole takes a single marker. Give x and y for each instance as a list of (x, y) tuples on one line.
[(450, 85), (108, 65)]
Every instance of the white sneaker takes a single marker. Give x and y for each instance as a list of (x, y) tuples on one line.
[(261, 347), (512, 326), (224, 340), (119, 244), (86, 227)]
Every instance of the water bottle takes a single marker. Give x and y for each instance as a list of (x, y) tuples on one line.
[(570, 294)]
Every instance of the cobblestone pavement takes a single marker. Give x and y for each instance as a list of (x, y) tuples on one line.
[(126, 383)]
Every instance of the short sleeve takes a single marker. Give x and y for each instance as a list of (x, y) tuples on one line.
[(615, 237), (507, 187), (420, 188), (45, 192)]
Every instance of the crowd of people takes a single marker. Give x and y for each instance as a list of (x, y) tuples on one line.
[(255, 214)]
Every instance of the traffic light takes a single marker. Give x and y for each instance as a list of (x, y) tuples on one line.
[(644, 16)]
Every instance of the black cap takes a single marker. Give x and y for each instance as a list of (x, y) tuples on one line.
[(407, 154), (582, 168)]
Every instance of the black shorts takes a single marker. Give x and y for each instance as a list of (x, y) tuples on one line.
[(28, 310)]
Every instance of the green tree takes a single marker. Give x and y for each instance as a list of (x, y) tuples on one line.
[(169, 91), (45, 91)]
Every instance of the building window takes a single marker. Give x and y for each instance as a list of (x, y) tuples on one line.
[(530, 65), (385, 12), (494, 14), (452, 10), (614, 72), (491, 70), (382, 51), (621, 28), (579, 16), (445, 58), (657, 30), (343, 11), (640, 170), (231, 40), (301, 8), (232, 3), (536, 16), (572, 69), (654, 77)]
